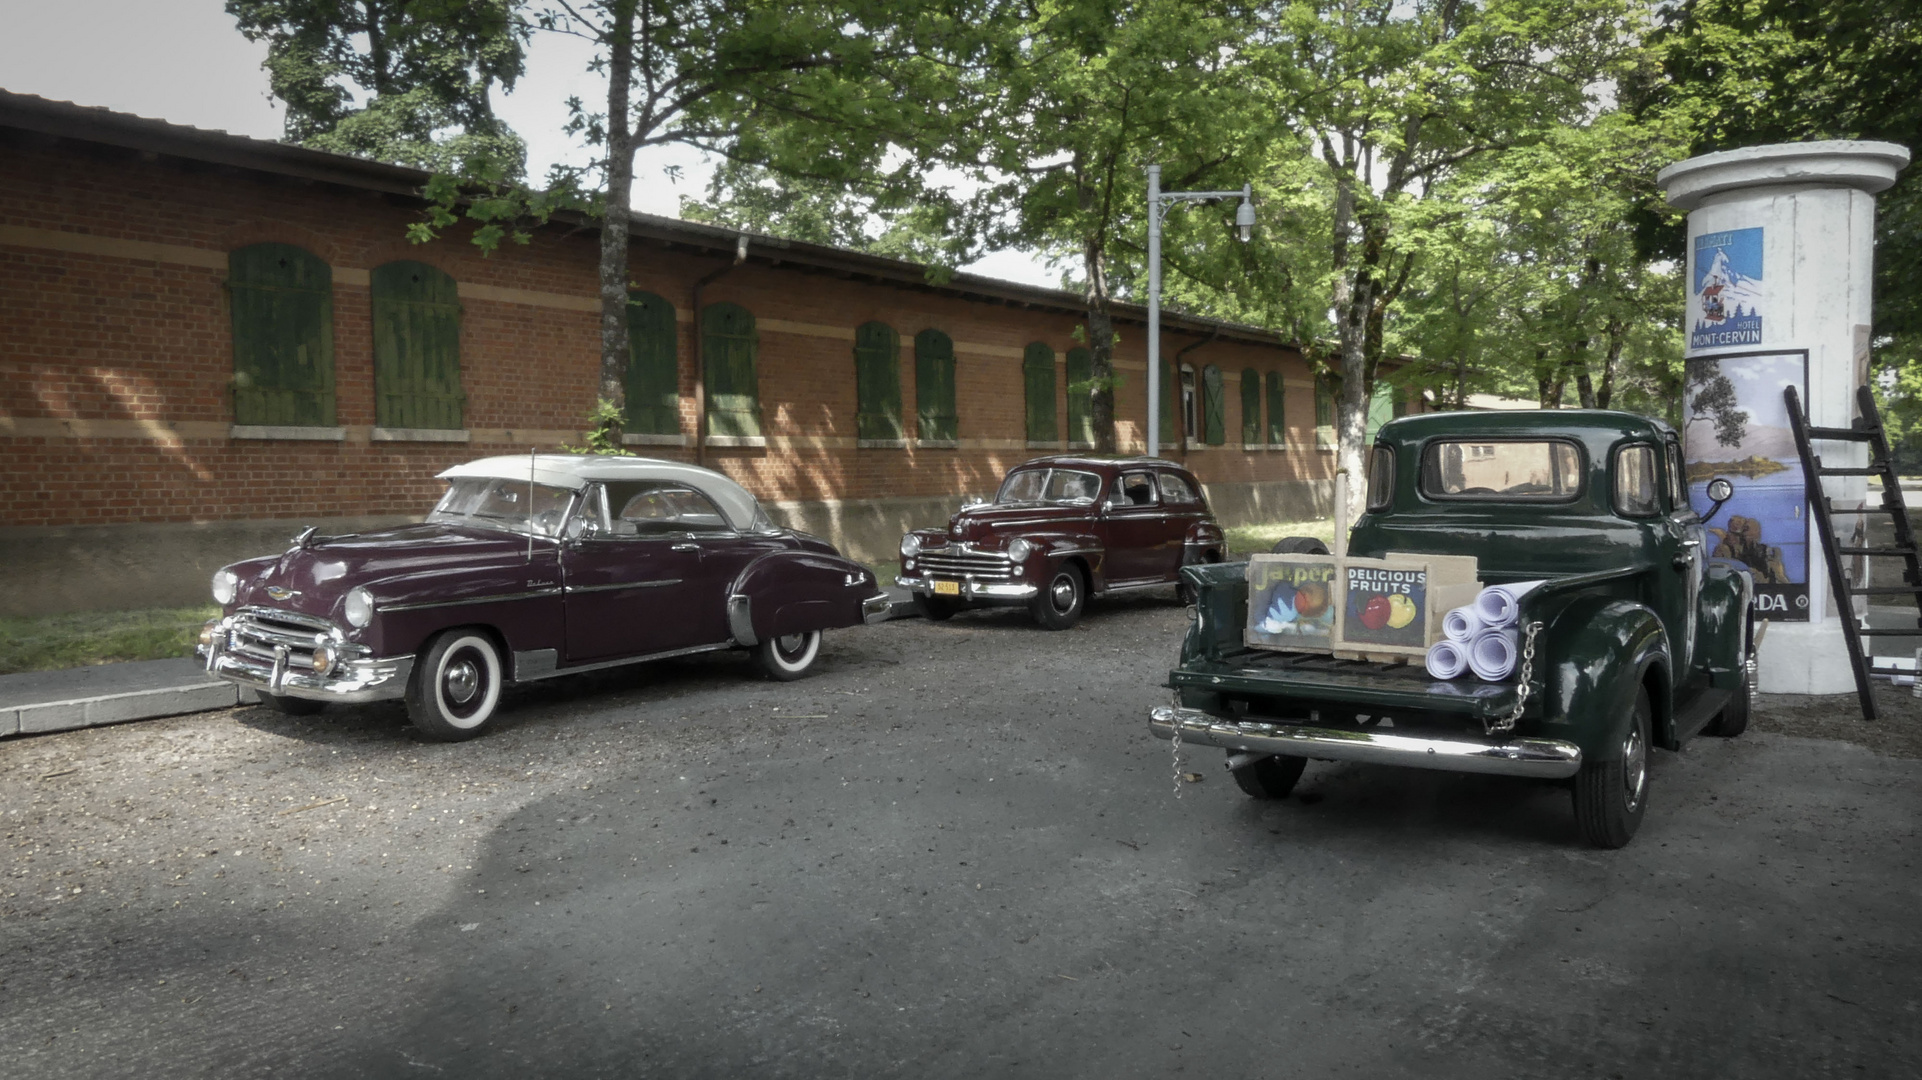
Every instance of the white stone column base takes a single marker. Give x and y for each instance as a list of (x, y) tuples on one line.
[(1804, 658)]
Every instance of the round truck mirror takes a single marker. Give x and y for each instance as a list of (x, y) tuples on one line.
[(1720, 490)]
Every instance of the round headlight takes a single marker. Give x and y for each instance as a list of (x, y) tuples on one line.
[(359, 607), (1019, 549), (226, 584), (910, 545)]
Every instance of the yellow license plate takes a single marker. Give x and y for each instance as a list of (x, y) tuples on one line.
[(947, 588)]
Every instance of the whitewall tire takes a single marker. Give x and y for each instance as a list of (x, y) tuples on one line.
[(456, 686), (790, 657)]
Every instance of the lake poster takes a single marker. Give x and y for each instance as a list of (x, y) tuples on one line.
[(1735, 426)]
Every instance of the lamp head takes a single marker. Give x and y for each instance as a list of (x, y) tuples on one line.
[(1245, 219)]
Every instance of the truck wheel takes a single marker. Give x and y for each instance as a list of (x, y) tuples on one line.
[(785, 659), (1271, 777), (290, 706), (1298, 545), (1612, 796), (1058, 605), (935, 608), (455, 686), (1733, 719)]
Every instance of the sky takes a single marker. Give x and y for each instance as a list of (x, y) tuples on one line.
[(183, 61)]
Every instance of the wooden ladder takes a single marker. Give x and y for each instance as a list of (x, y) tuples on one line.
[(1867, 428)]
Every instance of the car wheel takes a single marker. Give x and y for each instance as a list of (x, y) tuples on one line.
[(1058, 605), (1271, 777), (935, 608), (291, 706), (455, 686), (789, 657), (1733, 719), (1612, 796), (1298, 545)]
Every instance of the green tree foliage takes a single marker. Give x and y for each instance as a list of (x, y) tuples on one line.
[(405, 81)]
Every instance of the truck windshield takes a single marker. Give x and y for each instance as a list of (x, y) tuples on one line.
[(513, 505), (1548, 470), (1049, 485)]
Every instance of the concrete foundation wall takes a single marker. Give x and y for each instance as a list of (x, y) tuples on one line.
[(60, 569)]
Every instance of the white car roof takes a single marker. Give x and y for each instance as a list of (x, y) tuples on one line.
[(576, 471)]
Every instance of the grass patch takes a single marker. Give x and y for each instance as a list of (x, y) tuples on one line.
[(1246, 540), (52, 642)]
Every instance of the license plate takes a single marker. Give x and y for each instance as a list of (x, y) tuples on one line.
[(947, 588)]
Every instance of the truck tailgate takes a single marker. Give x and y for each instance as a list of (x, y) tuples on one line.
[(1312, 678)]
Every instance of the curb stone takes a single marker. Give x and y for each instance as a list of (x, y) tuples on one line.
[(48, 716)]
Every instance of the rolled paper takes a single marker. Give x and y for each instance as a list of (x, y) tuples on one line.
[(1446, 660), (1491, 656), (1499, 605), (1461, 624)]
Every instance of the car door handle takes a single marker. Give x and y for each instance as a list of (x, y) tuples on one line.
[(685, 547)]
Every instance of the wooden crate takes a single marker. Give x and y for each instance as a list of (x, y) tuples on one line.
[(1278, 588), (1392, 608)]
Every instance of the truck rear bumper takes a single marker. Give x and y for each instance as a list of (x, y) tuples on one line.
[(1542, 758)]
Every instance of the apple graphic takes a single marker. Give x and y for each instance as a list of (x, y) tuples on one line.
[(1375, 613)]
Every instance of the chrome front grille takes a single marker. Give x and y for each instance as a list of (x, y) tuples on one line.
[(260, 632), (962, 562)]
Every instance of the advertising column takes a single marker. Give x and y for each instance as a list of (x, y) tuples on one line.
[(1780, 242)]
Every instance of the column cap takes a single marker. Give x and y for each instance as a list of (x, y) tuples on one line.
[(1866, 166)]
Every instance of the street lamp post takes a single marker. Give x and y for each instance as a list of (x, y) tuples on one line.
[(1158, 203)]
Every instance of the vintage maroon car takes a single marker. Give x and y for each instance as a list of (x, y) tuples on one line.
[(1062, 529), (528, 568)]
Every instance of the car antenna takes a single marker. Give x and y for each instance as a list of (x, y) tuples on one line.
[(530, 504)]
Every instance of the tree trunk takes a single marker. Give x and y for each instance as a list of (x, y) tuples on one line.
[(620, 184), (1100, 349), (1354, 302), (1617, 334), (1585, 389)]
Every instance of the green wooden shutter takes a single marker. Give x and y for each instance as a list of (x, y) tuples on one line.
[(1277, 411), (416, 347), (1381, 409), (934, 385), (1170, 401), (877, 381), (1213, 422), (1080, 396), (729, 344), (653, 366), (283, 309), (1250, 407), (1037, 377)]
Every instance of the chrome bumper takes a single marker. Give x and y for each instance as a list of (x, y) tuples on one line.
[(1543, 758), (972, 590), (352, 682), (876, 609)]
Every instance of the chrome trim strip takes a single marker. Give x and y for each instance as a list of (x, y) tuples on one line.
[(317, 622), (661, 584), (577, 668), (740, 619), (1135, 585), (535, 664), (352, 682), (972, 589), (1543, 758), (498, 598)]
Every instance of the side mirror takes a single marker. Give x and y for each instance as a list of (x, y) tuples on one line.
[(1720, 490)]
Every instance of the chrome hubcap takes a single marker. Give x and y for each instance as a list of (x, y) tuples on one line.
[(462, 681), (791, 643), (1634, 767), (1061, 593)]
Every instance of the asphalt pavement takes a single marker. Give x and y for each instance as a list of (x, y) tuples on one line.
[(954, 851)]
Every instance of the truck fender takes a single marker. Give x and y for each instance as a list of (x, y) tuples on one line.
[(1722, 633), (1205, 542), (789, 592), (1060, 547), (1599, 650)]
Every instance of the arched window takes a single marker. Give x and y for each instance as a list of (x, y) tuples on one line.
[(934, 386), (283, 309), (416, 347), (1213, 406), (653, 366), (1277, 411), (1037, 381), (1080, 397), (729, 345), (1250, 407), (877, 382)]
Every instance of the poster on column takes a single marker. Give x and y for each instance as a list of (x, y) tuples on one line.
[(1727, 295), (1736, 426)]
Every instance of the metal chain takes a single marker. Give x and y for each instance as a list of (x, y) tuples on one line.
[(1507, 723), (1174, 743)]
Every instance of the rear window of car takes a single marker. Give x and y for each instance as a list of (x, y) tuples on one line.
[(1503, 470), (1175, 491)]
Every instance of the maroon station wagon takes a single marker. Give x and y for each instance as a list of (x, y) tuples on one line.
[(1062, 529), (528, 568)]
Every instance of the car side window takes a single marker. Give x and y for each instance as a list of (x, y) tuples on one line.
[(1175, 491), (1134, 489), (656, 509), (1636, 494)]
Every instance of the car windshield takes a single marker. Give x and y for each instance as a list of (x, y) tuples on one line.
[(494, 503), (1049, 485), (1545, 470)]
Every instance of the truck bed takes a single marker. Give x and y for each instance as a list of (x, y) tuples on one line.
[(1312, 679)]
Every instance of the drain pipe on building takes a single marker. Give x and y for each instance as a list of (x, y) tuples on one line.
[(700, 351)]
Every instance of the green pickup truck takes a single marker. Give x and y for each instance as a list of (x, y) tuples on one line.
[(1636, 638)]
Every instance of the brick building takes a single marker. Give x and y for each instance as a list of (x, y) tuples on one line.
[(207, 341)]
